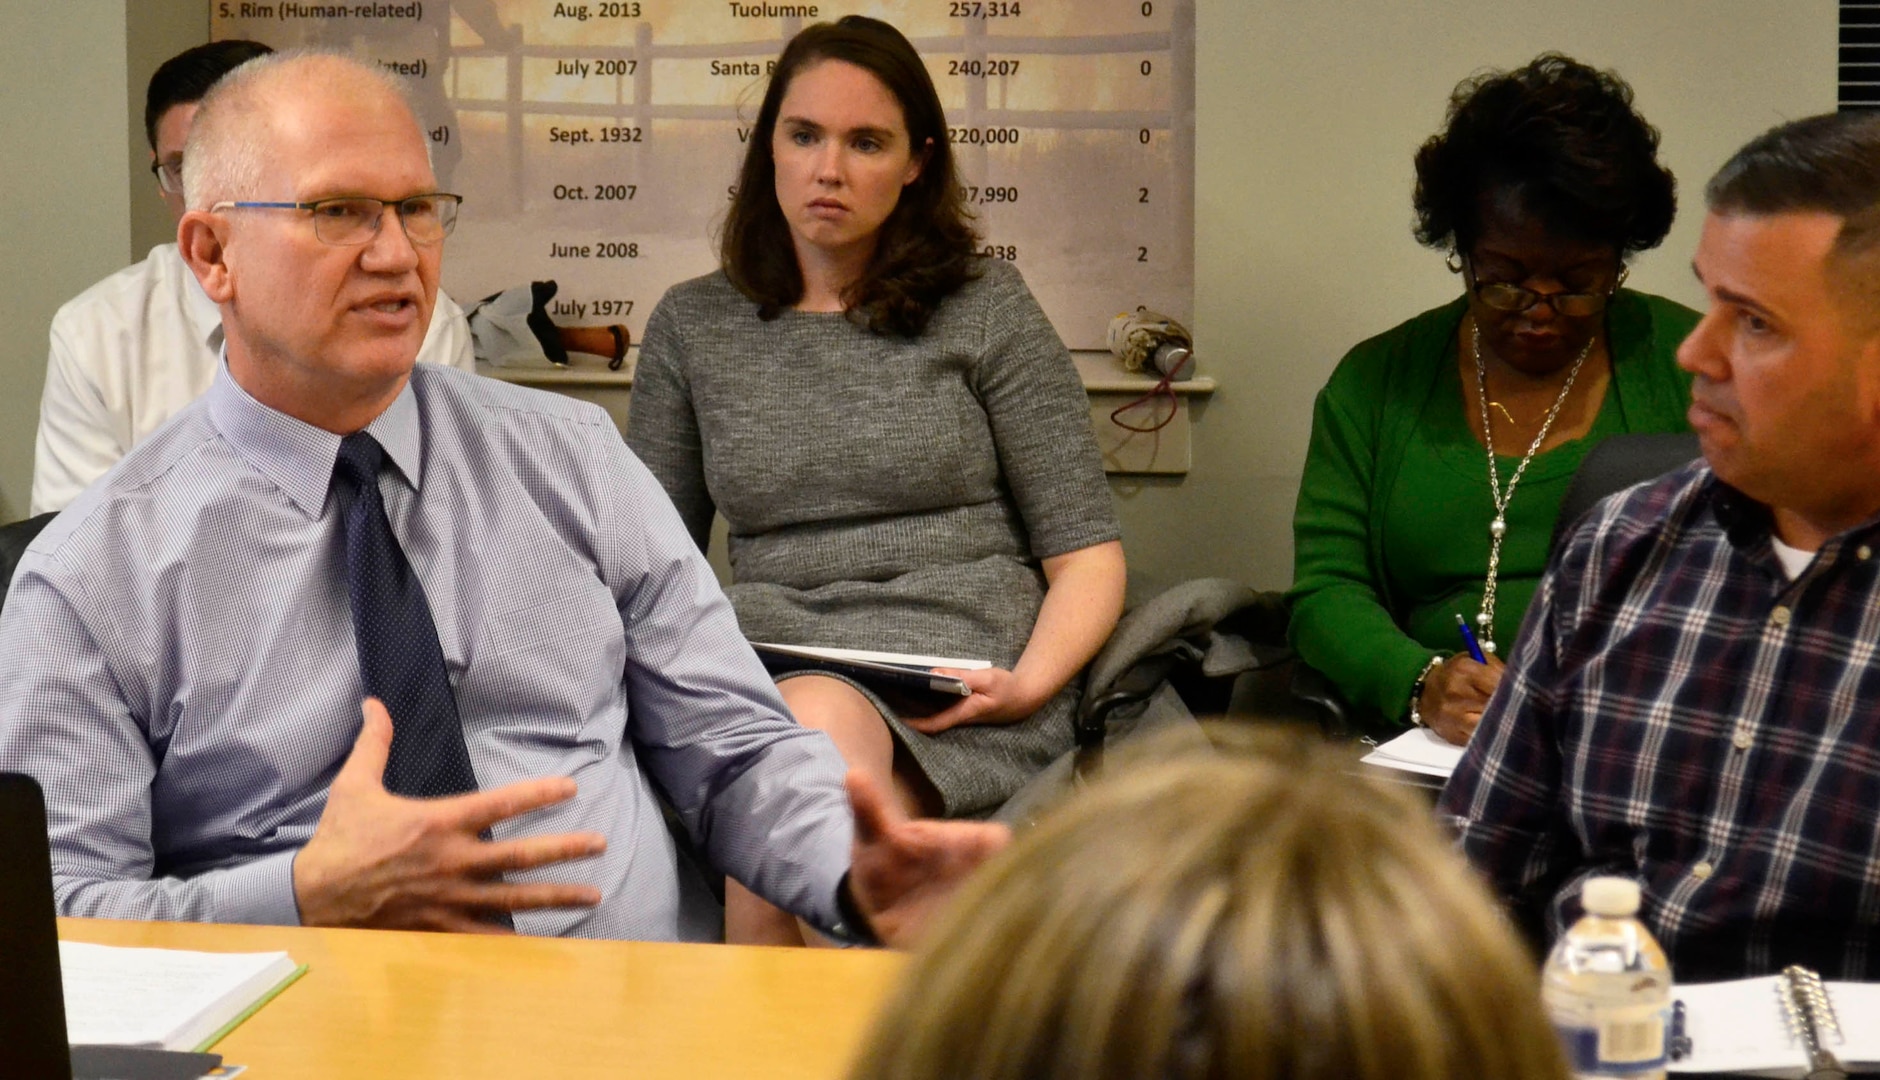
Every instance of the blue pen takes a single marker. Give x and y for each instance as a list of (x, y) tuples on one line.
[(1680, 1045), (1468, 638)]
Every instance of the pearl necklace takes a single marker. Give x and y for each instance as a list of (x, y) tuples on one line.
[(1498, 528)]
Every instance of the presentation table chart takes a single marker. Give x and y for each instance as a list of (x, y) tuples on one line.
[(597, 143), (396, 1004)]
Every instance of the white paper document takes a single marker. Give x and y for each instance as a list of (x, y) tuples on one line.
[(165, 998), (1742, 1027), (872, 657), (1418, 750)]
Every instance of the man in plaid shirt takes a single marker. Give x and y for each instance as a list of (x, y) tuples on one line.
[(1695, 698)]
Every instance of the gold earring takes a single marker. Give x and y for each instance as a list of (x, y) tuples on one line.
[(1454, 262)]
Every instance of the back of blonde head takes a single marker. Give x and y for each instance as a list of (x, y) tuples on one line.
[(1255, 915)]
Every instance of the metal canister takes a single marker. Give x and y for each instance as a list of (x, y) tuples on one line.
[(1173, 360)]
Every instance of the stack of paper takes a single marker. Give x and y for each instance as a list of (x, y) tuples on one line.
[(870, 656), (164, 998), (1418, 750), (899, 672)]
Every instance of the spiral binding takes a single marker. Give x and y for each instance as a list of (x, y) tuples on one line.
[(1811, 1019)]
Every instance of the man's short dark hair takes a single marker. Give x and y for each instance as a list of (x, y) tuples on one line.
[(183, 79), (1828, 164)]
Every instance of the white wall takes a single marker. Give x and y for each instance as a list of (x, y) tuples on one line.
[(66, 219), (1308, 115)]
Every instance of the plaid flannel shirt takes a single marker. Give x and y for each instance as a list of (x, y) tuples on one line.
[(1678, 711)]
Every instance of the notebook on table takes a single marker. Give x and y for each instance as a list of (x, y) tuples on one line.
[(139, 1014), (1793, 1024)]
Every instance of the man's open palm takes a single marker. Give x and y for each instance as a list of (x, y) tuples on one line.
[(903, 871), (382, 860)]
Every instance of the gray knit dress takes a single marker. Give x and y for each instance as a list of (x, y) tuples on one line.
[(884, 492)]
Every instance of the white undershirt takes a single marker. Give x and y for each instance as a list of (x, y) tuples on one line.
[(1794, 560), (131, 351)]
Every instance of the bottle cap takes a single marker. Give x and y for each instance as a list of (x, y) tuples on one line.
[(1612, 897)]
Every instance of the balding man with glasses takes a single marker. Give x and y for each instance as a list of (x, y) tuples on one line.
[(540, 649), (129, 352)]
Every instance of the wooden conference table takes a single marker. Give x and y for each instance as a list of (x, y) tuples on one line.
[(386, 1003)]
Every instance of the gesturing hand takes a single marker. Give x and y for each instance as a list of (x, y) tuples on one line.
[(903, 871), (378, 859), (1456, 693), (998, 698)]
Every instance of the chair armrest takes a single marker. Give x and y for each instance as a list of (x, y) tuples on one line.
[(1091, 723), (1310, 685)]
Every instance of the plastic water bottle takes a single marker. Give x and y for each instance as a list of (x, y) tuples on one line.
[(1607, 987)]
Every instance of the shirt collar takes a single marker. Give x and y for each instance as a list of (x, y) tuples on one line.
[(1745, 521), (297, 457), (397, 429), (1748, 523)]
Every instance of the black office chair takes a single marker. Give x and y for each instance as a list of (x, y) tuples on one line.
[(1337, 718), (14, 539), (1615, 464)]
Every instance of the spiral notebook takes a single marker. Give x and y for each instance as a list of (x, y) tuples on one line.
[(1793, 1024)]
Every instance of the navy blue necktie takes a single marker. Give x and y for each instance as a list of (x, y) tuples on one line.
[(400, 660)]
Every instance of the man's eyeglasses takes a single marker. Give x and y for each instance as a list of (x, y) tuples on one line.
[(355, 219), (169, 176), (1506, 296)]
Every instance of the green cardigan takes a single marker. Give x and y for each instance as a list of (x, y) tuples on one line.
[(1348, 611)]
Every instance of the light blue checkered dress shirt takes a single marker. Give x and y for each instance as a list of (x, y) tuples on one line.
[(180, 675)]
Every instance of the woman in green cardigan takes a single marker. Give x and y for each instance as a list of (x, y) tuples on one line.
[(1441, 449)]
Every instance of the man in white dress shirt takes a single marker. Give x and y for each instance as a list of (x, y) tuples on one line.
[(132, 350)]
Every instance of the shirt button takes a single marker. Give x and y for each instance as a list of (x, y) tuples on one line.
[(1864, 552), (1702, 871), (1742, 741), (1780, 616)]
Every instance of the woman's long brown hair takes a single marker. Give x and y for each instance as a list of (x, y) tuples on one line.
[(924, 251)]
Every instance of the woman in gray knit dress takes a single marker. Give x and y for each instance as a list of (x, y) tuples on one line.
[(893, 432)]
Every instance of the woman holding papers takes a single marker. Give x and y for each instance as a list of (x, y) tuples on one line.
[(1441, 449), (893, 432)]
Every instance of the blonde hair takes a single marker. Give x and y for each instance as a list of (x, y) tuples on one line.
[(228, 138), (1260, 914)]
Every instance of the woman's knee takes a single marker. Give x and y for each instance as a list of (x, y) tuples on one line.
[(842, 712)]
